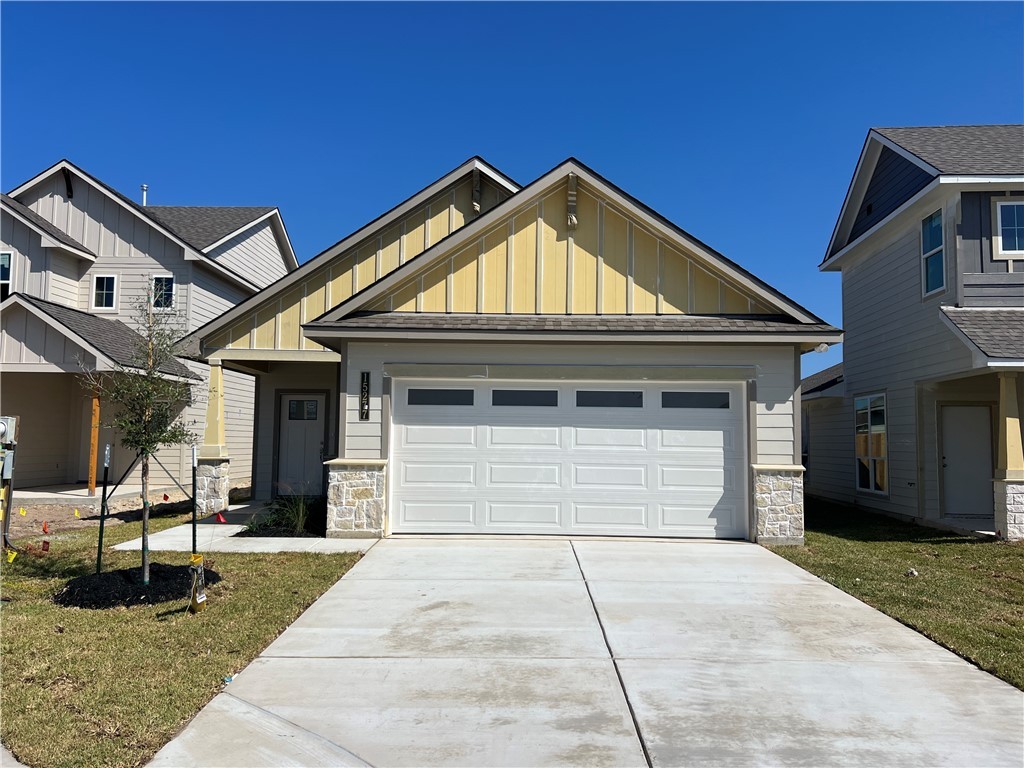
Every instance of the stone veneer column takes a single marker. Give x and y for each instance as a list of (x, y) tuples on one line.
[(1010, 509), (355, 498), (213, 482), (778, 504)]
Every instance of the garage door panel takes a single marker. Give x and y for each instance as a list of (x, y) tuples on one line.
[(721, 517), (524, 437), (683, 478), (417, 474), (610, 476), (524, 475), (696, 438), (609, 437), (431, 435), (513, 514), (434, 512), (615, 516)]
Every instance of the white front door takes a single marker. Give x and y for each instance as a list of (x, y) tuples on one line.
[(967, 460), (600, 458), (301, 445)]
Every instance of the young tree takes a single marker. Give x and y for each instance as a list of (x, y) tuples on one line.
[(148, 395)]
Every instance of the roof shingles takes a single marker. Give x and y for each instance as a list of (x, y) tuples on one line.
[(53, 231), (996, 332), (968, 150), (203, 225)]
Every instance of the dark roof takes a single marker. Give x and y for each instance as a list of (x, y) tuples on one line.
[(56, 233), (203, 225), (964, 149), (822, 380), (996, 332), (111, 337), (597, 324)]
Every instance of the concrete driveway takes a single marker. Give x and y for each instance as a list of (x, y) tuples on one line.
[(486, 652)]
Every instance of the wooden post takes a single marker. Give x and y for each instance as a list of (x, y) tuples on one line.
[(94, 443), (1010, 446)]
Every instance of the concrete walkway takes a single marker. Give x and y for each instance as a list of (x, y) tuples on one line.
[(212, 536), (519, 652)]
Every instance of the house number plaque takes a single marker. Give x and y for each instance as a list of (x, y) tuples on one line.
[(364, 396)]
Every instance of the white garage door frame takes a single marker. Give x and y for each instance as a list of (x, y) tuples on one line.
[(649, 460)]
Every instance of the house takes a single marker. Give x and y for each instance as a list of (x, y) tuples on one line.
[(77, 257), (922, 420), (547, 359)]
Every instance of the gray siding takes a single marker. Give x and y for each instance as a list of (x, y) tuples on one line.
[(254, 254), (239, 415), (28, 265), (894, 338), (830, 460), (65, 273), (975, 234), (26, 340), (210, 296), (894, 181), (992, 289), (43, 446)]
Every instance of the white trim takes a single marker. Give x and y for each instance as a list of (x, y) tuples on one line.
[(998, 252), (239, 231), (1009, 179), (174, 292), (904, 153), (115, 308), (381, 223), (940, 252), (535, 191), (10, 271)]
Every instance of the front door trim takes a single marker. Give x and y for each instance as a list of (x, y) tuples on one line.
[(276, 458)]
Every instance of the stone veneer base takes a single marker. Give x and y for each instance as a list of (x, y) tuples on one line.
[(778, 505), (355, 499), (213, 483), (1009, 509)]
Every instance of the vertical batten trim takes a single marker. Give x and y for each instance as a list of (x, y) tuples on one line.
[(419, 293), (659, 306), (426, 229), (480, 275), (690, 291), (721, 296), (451, 211), (509, 269), (277, 326), (538, 305), (378, 257), (629, 267), (401, 243), (328, 285), (449, 286), (599, 283)]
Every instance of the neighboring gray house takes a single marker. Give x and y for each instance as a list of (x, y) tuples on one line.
[(922, 419), (76, 256)]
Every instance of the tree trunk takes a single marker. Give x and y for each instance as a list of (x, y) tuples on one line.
[(145, 519)]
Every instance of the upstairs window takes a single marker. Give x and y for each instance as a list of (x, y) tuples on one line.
[(5, 274), (104, 292), (1010, 229), (163, 292), (933, 264)]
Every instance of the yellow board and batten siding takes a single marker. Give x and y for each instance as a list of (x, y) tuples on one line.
[(277, 323), (532, 262)]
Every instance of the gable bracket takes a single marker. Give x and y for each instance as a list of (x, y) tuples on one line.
[(476, 191), (571, 202)]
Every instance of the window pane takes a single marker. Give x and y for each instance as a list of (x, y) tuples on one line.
[(933, 273), (694, 399), (609, 399), (878, 445), (526, 397), (302, 410), (881, 480), (103, 293), (163, 292), (931, 233), (861, 403), (1009, 215), (5, 266), (861, 444), (877, 420), (440, 397), (1011, 226), (863, 474)]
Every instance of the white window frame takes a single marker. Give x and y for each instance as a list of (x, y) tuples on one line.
[(174, 292), (870, 456), (940, 252), (92, 293), (10, 272), (998, 252)]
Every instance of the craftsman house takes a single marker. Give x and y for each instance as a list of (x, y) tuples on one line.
[(555, 358), (922, 419), (76, 257)]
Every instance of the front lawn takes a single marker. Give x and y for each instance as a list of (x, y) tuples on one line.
[(109, 687), (968, 594)]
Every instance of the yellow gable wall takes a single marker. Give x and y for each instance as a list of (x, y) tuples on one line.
[(531, 262), (276, 323)]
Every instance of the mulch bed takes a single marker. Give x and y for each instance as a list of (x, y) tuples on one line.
[(111, 589)]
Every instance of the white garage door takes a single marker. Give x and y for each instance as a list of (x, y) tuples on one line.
[(569, 457)]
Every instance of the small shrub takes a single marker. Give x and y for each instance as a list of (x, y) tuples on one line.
[(289, 516)]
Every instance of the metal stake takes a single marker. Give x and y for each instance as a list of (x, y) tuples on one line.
[(103, 507), (194, 465)]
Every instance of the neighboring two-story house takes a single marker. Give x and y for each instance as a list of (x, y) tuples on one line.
[(922, 419), (76, 257)]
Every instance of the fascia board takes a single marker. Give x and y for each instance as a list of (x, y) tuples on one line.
[(380, 223), (533, 191), (856, 186), (905, 154)]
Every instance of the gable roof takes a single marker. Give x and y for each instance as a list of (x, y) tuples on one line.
[(109, 338), (45, 228), (475, 163), (822, 380), (630, 204), (946, 153), (964, 150), (143, 212), (204, 225), (995, 332)]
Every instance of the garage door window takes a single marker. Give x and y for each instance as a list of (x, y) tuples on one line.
[(440, 397), (600, 398), (525, 397), (694, 399)]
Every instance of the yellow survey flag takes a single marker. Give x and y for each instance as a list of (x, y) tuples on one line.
[(11, 555), (22, 510), (76, 512)]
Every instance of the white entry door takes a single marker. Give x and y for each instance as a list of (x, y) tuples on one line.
[(967, 460), (599, 458), (301, 445)]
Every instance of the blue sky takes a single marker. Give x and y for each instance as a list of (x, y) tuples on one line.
[(740, 122)]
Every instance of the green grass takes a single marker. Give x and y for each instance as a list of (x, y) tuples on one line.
[(109, 688), (968, 595)]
